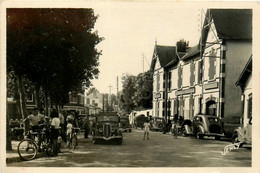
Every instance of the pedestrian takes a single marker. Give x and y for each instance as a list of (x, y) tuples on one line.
[(55, 125), (146, 129), (86, 127), (62, 125)]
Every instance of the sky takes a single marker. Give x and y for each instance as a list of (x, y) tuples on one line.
[(130, 32)]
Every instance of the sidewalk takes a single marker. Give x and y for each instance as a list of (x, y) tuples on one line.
[(12, 156)]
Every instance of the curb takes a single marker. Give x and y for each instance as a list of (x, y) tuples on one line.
[(18, 159)]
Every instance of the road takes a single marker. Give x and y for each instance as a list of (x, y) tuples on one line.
[(162, 150)]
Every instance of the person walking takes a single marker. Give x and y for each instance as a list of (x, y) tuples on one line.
[(55, 125), (146, 129)]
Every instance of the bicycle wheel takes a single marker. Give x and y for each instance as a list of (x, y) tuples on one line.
[(27, 149), (74, 141)]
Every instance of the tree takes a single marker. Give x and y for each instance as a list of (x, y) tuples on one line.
[(54, 49), (144, 90), (128, 92)]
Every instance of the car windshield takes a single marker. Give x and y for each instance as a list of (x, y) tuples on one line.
[(124, 120), (212, 120), (159, 119), (107, 118)]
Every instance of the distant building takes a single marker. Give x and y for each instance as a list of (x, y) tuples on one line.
[(94, 102)]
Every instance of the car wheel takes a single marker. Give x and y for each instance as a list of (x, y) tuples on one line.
[(94, 141), (119, 141), (199, 134), (130, 130), (183, 131), (235, 139)]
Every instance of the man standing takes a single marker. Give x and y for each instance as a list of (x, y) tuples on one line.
[(146, 129)]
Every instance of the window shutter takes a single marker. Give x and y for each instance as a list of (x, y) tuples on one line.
[(179, 77), (192, 75)]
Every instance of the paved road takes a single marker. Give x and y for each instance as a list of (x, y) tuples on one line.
[(160, 151)]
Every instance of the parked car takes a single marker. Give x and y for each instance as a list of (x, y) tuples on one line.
[(243, 134), (156, 124), (203, 125), (107, 128), (125, 124), (140, 120)]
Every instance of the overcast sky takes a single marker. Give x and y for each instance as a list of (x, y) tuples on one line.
[(130, 30)]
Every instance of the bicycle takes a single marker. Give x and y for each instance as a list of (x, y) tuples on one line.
[(73, 138), (28, 148)]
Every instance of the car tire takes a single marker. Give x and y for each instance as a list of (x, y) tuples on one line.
[(235, 139), (94, 141), (199, 134), (119, 141), (183, 131)]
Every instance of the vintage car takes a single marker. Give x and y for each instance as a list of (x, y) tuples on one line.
[(243, 134), (140, 120), (125, 124), (107, 128), (156, 124), (203, 125)]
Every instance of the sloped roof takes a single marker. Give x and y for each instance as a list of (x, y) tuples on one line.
[(195, 50), (165, 54), (232, 23), (245, 74)]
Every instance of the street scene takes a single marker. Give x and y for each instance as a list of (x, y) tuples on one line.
[(155, 152), (78, 96)]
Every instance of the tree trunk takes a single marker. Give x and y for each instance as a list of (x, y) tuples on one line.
[(37, 93), (22, 100), (8, 135)]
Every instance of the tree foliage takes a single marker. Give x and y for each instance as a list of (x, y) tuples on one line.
[(53, 48), (137, 92)]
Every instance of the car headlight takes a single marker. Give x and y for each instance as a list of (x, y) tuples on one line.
[(100, 129), (113, 130)]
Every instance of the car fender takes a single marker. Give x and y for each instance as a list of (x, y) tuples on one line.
[(239, 132), (201, 129)]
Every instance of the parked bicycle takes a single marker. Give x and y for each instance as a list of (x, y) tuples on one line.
[(28, 148), (73, 138)]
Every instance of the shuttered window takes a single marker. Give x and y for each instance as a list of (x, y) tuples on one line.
[(191, 108), (192, 74), (200, 70), (249, 108), (212, 60), (179, 77)]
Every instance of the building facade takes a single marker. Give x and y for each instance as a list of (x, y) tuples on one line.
[(202, 78)]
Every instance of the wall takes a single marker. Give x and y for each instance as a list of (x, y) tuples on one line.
[(237, 55)]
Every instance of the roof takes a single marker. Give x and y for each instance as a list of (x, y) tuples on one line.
[(165, 54), (245, 74), (193, 51), (235, 24)]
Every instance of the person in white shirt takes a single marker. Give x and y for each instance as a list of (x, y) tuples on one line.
[(69, 130), (146, 129), (55, 126)]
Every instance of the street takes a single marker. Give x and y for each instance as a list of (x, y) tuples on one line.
[(162, 150)]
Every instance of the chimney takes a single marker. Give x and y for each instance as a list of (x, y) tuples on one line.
[(182, 45)]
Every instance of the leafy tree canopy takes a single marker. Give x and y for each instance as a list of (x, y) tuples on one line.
[(54, 48)]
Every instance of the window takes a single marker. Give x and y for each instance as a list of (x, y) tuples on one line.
[(200, 71), (170, 81), (192, 74), (30, 98), (179, 77), (212, 60), (88, 101), (158, 82), (249, 106), (93, 102)]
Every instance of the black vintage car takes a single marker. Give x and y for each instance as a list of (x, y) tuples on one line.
[(107, 128), (125, 124), (204, 125), (140, 120), (156, 124)]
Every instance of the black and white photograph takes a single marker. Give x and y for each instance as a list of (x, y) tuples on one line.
[(151, 85)]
